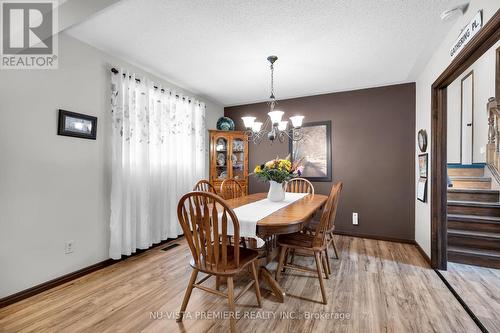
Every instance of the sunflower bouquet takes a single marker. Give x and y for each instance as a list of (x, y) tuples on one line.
[(278, 170)]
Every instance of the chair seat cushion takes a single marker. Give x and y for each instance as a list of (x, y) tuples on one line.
[(208, 266)]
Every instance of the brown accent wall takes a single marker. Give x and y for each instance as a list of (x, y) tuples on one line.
[(373, 147)]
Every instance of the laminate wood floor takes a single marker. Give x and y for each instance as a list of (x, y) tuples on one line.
[(479, 287), (376, 286)]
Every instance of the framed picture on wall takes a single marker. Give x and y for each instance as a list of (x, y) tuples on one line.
[(422, 189), (77, 125), (423, 165), (316, 150)]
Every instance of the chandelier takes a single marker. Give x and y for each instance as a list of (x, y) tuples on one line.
[(274, 128)]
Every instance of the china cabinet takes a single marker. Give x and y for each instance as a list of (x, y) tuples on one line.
[(228, 158)]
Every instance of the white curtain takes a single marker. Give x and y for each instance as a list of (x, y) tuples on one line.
[(158, 154)]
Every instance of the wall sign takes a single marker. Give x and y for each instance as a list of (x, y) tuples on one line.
[(467, 33)]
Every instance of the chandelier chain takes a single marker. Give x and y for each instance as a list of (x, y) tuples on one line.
[(272, 81)]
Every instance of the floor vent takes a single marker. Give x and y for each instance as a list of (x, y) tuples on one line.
[(169, 247)]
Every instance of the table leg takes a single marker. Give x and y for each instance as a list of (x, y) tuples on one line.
[(273, 284)]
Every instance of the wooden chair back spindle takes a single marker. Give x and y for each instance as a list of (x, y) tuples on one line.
[(204, 186), (333, 214), (231, 189), (204, 218), (328, 215), (299, 185)]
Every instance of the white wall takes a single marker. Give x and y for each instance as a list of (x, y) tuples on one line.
[(484, 87), (439, 61), (56, 188)]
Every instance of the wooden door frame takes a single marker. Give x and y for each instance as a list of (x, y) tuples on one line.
[(479, 44)]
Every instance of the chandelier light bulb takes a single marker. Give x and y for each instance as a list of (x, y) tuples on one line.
[(275, 116), (282, 125), (248, 121), (297, 121), (256, 126)]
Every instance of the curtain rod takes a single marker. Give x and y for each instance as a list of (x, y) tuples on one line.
[(115, 71)]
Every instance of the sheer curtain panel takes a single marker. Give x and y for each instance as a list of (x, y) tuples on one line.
[(158, 153)]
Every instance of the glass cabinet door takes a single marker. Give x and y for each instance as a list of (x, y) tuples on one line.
[(221, 158), (238, 158)]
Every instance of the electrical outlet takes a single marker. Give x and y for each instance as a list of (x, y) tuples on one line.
[(355, 218), (69, 247)]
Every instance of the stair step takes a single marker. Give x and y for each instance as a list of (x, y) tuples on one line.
[(469, 194), (471, 182), (466, 171), (480, 234), (472, 178), (474, 222), (474, 239), (473, 208), (478, 257)]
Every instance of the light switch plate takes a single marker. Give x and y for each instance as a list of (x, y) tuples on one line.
[(355, 220)]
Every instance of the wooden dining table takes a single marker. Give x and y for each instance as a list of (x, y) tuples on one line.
[(289, 219)]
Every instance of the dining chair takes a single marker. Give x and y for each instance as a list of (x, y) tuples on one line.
[(204, 186), (313, 243), (230, 189), (312, 226), (299, 185), (205, 218)]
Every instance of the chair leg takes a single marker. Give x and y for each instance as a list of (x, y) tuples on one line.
[(328, 260), (325, 265), (293, 256), (230, 299), (280, 262), (317, 256), (187, 295), (334, 248), (286, 259), (217, 283), (257, 287)]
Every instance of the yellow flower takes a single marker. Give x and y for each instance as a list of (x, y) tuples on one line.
[(284, 165), (257, 169)]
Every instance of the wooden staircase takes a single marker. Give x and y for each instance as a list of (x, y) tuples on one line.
[(473, 218)]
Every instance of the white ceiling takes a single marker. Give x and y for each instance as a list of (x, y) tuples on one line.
[(218, 48)]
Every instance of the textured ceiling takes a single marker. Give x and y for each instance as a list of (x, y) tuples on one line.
[(218, 49)]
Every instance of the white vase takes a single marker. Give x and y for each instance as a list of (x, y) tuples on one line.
[(276, 191)]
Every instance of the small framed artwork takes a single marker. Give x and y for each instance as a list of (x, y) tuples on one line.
[(423, 165), (77, 125), (422, 189), (316, 151)]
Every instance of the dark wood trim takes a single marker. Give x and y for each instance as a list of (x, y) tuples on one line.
[(23, 294), (54, 283), (376, 237), (478, 45), (438, 180)]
